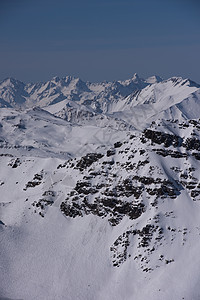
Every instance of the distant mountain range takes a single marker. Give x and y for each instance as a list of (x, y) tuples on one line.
[(15, 93)]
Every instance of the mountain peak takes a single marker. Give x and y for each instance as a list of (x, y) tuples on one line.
[(182, 81), (154, 79), (135, 77), (11, 81), (55, 79)]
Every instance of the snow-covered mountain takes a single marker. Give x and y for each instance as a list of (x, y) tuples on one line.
[(131, 101), (16, 93), (100, 189)]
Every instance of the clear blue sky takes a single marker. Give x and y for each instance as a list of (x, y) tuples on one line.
[(99, 40)]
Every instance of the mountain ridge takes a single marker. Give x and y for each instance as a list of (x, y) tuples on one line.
[(17, 87), (117, 99)]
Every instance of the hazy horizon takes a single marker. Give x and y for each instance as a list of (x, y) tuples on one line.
[(97, 41)]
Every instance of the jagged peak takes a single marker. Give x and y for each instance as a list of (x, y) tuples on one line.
[(55, 79), (178, 80), (193, 83), (154, 79), (134, 80), (69, 78), (135, 77), (11, 81)]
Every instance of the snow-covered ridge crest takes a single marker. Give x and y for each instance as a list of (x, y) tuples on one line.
[(133, 100), (15, 93)]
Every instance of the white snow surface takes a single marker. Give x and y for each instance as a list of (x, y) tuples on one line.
[(119, 223)]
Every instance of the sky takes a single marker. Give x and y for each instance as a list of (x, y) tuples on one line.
[(99, 40)]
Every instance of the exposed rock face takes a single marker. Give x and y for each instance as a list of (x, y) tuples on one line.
[(105, 193), (163, 138), (88, 160)]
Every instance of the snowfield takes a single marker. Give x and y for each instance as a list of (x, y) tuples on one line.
[(100, 189)]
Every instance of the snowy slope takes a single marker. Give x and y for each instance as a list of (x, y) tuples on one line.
[(101, 205), (167, 99), (36, 132)]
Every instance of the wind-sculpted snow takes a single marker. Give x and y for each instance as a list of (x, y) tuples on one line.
[(100, 192)]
